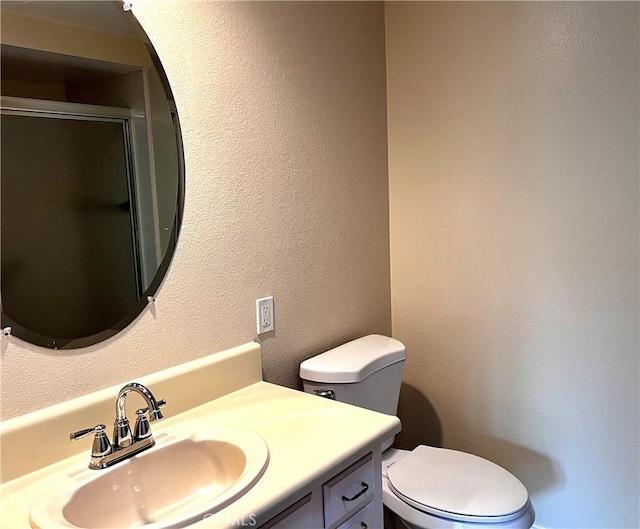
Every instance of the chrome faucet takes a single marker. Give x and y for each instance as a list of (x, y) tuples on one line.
[(125, 443)]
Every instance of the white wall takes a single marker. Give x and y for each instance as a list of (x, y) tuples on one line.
[(513, 150), (283, 109)]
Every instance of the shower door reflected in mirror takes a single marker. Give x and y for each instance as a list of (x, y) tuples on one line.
[(69, 252)]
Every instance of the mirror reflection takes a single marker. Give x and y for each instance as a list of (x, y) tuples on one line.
[(92, 171)]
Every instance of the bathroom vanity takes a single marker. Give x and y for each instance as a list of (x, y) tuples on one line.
[(324, 458)]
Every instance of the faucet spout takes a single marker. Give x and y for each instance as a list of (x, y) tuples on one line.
[(122, 435), (154, 406)]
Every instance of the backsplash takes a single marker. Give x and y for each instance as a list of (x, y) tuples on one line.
[(184, 386)]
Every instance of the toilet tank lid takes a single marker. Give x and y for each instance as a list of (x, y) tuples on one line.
[(353, 361)]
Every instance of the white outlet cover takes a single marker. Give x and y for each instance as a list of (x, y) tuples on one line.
[(265, 315)]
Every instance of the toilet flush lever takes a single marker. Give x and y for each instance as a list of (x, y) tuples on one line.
[(326, 393)]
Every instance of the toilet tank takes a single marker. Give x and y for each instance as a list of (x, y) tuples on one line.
[(366, 372)]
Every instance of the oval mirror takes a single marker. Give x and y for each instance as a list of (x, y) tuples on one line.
[(92, 174)]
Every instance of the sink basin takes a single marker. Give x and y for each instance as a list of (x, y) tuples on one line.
[(179, 481)]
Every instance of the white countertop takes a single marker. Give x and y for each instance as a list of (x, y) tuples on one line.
[(309, 440)]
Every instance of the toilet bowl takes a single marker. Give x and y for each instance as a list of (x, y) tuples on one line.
[(427, 487), (442, 499)]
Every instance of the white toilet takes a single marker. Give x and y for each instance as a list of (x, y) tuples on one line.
[(426, 488)]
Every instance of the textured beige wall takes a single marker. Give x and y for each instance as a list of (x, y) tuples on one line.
[(513, 149), (283, 109)]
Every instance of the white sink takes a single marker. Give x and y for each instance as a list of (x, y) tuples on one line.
[(177, 482)]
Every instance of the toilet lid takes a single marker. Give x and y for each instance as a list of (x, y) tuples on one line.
[(455, 483)]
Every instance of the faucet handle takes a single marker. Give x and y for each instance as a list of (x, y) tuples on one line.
[(101, 444), (160, 403), (83, 433), (154, 415), (142, 429)]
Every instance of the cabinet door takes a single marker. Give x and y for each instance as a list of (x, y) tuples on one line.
[(306, 513)]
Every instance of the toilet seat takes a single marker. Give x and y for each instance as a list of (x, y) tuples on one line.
[(457, 486)]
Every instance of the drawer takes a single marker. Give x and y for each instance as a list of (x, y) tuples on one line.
[(365, 518), (348, 492)]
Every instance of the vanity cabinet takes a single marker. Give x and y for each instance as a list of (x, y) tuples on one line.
[(351, 499), (319, 450)]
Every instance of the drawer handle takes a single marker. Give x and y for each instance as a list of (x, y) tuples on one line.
[(365, 488)]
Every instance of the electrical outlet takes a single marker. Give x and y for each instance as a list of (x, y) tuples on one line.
[(264, 315)]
